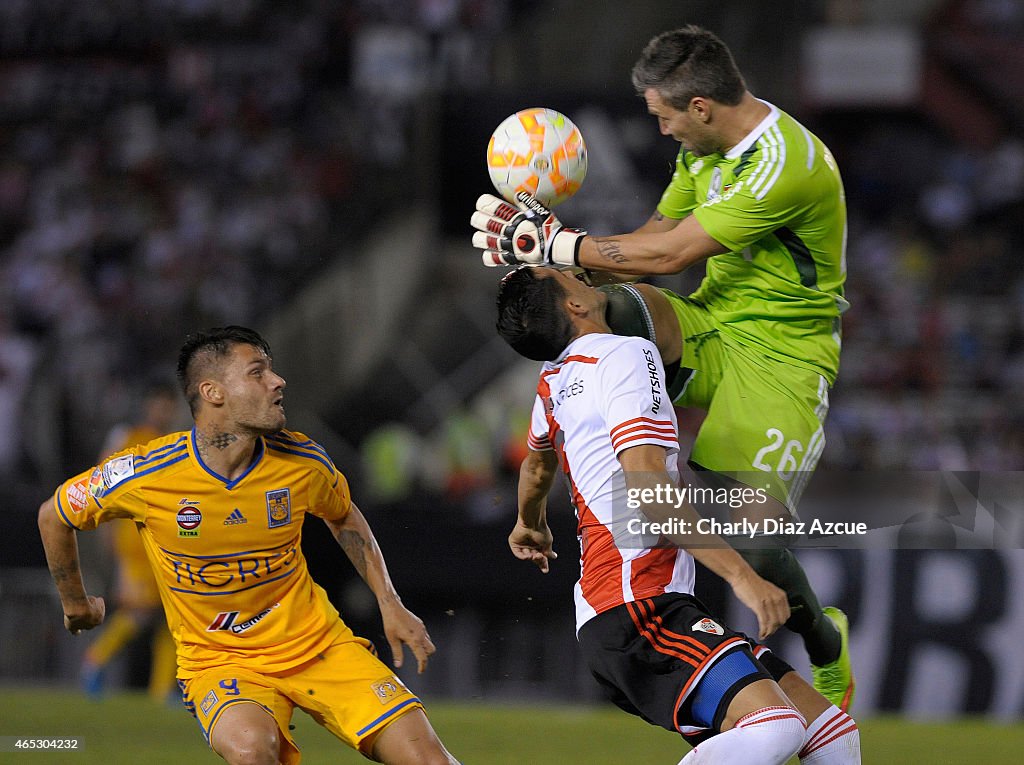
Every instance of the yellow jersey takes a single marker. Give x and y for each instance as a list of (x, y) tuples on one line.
[(226, 553)]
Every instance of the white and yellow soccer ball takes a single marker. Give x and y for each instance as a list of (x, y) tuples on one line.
[(539, 151)]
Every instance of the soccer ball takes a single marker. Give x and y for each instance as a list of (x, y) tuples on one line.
[(539, 151)]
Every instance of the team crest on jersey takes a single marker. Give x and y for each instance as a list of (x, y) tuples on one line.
[(279, 508), (708, 625), (388, 688), (189, 518), (78, 495), (715, 189), (208, 702), (117, 470)]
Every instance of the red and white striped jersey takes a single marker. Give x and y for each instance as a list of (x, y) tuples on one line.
[(606, 393)]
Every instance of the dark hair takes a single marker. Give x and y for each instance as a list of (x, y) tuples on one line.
[(203, 350), (689, 62), (532, 317)]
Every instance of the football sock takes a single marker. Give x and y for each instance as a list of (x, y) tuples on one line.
[(832, 739), (780, 567), (769, 736)]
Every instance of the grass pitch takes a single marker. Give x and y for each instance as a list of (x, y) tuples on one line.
[(128, 728)]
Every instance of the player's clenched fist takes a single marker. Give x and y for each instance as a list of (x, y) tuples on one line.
[(529, 233)]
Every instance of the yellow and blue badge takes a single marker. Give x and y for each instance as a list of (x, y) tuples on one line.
[(208, 702), (279, 508)]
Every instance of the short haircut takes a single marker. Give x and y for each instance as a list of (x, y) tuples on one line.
[(683, 64), (532, 317), (202, 352)]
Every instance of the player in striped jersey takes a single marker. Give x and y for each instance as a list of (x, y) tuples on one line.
[(760, 198), (220, 512), (602, 411)]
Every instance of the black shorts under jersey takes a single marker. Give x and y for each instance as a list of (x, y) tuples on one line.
[(668, 661)]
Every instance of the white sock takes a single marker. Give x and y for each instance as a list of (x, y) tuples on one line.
[(832, 739), (769, 736)]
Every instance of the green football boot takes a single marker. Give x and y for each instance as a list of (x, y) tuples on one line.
[(835, 680)]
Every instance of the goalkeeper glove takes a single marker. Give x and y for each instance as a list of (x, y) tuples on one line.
[(528, 234)]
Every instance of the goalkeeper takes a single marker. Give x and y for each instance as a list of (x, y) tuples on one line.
[(760, 198)]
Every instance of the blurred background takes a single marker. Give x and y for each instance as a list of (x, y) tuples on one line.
[(308, 168)]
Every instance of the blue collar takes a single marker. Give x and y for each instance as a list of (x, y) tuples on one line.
[(257, 458)]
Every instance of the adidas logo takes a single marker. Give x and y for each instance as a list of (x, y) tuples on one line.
[(235, 518)]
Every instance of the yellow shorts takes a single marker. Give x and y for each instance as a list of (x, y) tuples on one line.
[(347, 689)]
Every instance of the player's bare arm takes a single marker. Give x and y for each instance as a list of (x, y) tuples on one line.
[(81, 611), (529, 233), (657, 223), (644, 467), (401, 625), (657, 247), (531, 538)]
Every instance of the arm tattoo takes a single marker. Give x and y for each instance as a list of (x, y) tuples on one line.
[(354, 545), (610, 249), (62, 573)]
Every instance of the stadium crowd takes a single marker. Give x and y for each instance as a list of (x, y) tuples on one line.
[(167, 165)]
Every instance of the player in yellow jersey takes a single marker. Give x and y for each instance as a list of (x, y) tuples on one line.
[(138, 600), (220, 510)]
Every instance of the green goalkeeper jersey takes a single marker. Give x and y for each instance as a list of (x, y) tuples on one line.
[(776, 201)]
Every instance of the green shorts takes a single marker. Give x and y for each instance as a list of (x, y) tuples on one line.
[(764, 416)]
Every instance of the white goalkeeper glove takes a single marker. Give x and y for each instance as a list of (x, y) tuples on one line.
[(529, 233)]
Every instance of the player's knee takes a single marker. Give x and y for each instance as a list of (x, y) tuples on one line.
[(438, 756), (782, 742), (428, 753), (250, 746)]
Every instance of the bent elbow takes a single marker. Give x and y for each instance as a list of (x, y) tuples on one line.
[(674, 262), (45, 514)]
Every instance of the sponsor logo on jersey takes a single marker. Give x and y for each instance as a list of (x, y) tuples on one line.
[(208, 702), (78, 495), (96, 483), (279, 508), (235, 518), (117, 470), (189, 519), (248, 624), (225, 620), (388, 688), (655, 378), (708, 625), (209, 575)]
